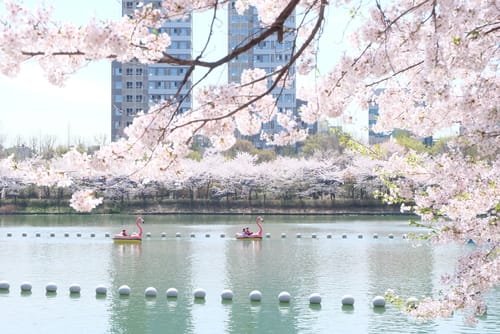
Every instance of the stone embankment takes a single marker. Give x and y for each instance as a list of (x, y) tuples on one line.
[(183, 206)]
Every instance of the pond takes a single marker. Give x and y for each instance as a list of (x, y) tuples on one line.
[(332, 256)]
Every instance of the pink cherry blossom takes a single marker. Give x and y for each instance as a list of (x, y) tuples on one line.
[(434, 65)]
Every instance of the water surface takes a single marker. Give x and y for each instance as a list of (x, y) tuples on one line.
[(329, 258)]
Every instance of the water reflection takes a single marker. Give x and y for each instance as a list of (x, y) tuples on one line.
[(402, 267), (331, 267)]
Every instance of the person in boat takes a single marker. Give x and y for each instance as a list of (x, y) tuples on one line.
[(247, 231), (124, 233)]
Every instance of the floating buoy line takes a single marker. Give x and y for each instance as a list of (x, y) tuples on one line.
[(226, 295), (178, 235)]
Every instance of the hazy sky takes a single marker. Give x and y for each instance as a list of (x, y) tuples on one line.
[(31, 107)]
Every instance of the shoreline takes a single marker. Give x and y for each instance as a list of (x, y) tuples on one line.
[(197, 207)]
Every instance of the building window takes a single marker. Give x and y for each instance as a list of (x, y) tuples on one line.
[(130, 112), (129, 85), (130, 98), (138, 71), (138, 84), (138, 98), (373, 109), (263, 44)]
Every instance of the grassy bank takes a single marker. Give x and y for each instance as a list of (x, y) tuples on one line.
[(187, 206)]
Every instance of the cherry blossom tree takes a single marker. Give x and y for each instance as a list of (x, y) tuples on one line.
[(436, 62)]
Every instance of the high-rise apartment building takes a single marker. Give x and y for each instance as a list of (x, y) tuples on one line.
[(136, 86), (268, 55)]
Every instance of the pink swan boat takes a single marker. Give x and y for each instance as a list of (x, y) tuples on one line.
[(253, 236), (134, 237)]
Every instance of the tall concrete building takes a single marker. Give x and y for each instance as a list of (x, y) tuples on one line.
[(267, 55), (136, 86)]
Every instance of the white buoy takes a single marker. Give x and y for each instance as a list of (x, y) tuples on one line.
[(163, 235), (78, 234), (391, 236), (227, 294), (52, 234), (124, 290), (207, 235), (222, 235), (284, 297), (314, 236), (148, 235), (66, 234), (375, 236), (378, 301), (193, 235), (405, 236), (329, 236), (315, 298), (92, 235), (9, 234), (360, 236), (268, 235), (344, 236), (75, 288), (411, 302), (37, 235), (25, 234), (106, 235), (172, 293), (150, 292), (4, 285), (51, 287), (348, 300), (26, 286), (299, 235), (177, 235), (101, 290), (255, 296), (283, 235), (199, 293)]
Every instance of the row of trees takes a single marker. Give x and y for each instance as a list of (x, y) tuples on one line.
[(320, 170), (320, 167), (46, 147)]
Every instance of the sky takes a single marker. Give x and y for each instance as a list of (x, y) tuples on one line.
[(80, 111)]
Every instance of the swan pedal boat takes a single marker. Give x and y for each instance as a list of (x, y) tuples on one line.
[(131, 238), (127, 238), (253, 236)]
